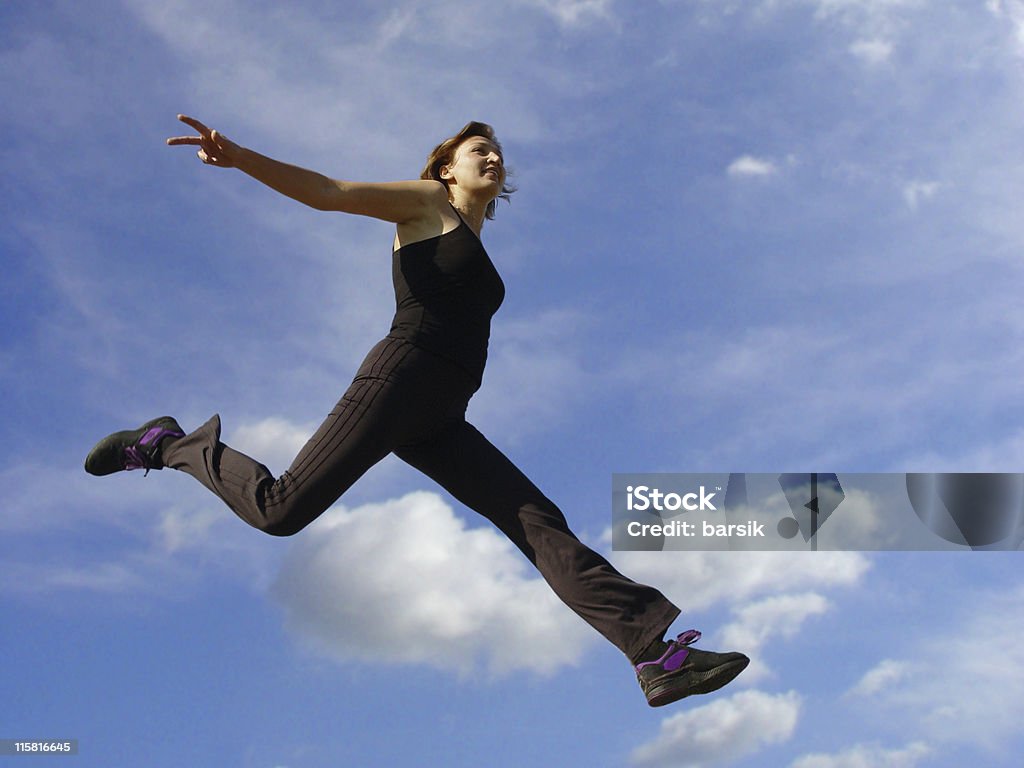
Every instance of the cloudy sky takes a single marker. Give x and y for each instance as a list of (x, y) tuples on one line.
[(764, 236)]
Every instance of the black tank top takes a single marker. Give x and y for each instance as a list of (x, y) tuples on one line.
[(446, 291)]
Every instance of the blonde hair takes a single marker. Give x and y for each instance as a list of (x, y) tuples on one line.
[(444, 153)]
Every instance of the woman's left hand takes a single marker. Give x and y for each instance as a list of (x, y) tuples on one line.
[(214, 148)]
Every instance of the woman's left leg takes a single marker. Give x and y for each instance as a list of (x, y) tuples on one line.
[(630, 615)]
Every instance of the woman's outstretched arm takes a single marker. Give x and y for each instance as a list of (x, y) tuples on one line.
[(399, 202)]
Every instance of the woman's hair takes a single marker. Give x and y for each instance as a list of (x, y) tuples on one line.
[(444, 154)]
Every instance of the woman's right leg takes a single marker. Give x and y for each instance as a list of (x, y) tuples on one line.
[(366, 424)]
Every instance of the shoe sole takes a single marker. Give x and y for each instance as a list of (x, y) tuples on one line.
[(696, 683)]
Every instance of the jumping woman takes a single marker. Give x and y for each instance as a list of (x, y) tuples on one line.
[(409, 398)]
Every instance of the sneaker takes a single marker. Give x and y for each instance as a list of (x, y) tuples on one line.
[(682, 671), (133, 448)]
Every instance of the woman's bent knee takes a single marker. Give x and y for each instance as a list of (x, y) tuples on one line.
[(281, 529), (286, 523)]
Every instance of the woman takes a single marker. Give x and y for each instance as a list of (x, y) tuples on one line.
[(409, 398)]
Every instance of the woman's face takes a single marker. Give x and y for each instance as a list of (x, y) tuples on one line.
[(477, 167)]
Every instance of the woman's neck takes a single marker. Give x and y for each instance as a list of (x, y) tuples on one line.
[(472, 211)]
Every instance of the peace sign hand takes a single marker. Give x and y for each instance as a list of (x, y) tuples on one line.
[(214, 148)]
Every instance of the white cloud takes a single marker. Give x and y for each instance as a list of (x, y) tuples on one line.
[(186, 527), (874, 23), (273, 441), (756, 623), (861, 524), (155, 535), (916, 192), (872, 51), (247, 71), (395, 26), (571, 13), (864, 14), (725, 729), (700, 580), (405, 581), (45, 578), (1013, 11), (868, 756), (1004, 455), (983, 656), (750, 166), (125, 566), (883, 401), (40, 497), (881, 677)]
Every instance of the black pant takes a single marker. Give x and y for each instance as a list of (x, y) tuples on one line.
[(413, 403)]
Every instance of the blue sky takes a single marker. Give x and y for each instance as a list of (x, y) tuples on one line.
[(764, 236)]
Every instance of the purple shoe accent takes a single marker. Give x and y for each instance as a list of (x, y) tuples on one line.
[(154, 434), (135, 458), (674, 662), (689, 637), (675, 654)]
